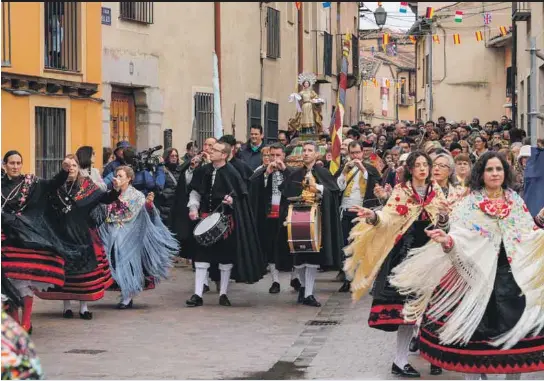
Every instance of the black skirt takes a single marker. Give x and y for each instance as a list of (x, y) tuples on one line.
[(505, 307), (387, 304)]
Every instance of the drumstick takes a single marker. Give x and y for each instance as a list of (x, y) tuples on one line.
[(220, 205)]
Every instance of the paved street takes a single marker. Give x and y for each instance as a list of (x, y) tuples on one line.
[(262, 336)]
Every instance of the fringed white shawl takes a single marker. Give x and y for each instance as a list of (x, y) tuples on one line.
[(467, 273), (138, 240)]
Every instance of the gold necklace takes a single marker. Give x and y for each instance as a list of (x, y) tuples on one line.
[(494, 194)]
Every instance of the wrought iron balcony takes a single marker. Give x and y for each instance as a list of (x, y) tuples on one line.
[(521, 10)]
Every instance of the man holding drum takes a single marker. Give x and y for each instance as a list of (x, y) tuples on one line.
[(312, 189), (224, 235)]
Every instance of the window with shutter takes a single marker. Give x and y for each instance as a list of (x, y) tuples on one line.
[(271, 117), (253, 113)]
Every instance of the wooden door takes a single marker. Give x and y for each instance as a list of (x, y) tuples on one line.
[(122, 119)]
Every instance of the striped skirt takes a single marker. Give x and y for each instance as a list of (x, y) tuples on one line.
[(38, 266), (84, 287)]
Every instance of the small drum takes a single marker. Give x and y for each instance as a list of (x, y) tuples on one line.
[(304, 228), (211, 229)]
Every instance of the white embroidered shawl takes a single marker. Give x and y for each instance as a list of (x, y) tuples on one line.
[(467, 273)]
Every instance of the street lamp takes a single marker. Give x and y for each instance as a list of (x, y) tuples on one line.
[(380, 15)]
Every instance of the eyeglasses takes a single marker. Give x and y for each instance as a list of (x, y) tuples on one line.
[(441, 166)]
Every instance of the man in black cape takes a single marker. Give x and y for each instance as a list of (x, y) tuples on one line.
[(219, 187), (332, 241), (241, 166), (266, 199)]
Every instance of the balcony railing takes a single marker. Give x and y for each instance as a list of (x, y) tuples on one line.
[(6, 34), (521, 10), (406, 100), (62, 35)]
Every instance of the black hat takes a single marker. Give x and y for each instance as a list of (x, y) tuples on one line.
[(367, 144), (454, 146)]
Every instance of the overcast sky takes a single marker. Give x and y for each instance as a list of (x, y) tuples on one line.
[(395, 19)]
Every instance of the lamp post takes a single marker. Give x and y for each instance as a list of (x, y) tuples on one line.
[(380, 15)]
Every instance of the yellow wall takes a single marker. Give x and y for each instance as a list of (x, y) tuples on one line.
[(83, 116)]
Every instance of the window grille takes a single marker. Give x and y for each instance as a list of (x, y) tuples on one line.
[(50, 140)]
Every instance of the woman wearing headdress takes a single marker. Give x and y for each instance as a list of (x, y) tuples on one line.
[(480, 287)]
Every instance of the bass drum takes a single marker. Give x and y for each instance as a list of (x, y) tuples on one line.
[(211, 229), (304, 228)]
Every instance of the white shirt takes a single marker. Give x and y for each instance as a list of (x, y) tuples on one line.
[(355, 198)]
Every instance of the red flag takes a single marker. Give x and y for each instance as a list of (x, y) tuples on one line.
[(298, 4)]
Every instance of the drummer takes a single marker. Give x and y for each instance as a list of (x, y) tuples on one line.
[(308, 185), (220, 188)]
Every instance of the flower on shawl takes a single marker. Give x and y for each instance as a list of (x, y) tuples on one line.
[(495, 209), (525, 209), (399, 237), (402, 210)]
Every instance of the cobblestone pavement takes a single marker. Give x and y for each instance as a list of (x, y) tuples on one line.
[(262, 336)]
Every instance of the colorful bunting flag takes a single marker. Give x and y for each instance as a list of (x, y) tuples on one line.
[(412, 38), (430, 13), (403, 6), (479, 36), (403, 81), (503, 30), (487, 18), (298, 4), (386, 38), (458, 16), (456, 39), (326, 4), (387, 83), (436, 38)]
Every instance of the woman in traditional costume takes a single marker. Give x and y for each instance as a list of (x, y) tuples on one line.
[(444, 175), (74, 212), (33, 255), (86, 157), (480, 288), (381, 240), (139, 247)]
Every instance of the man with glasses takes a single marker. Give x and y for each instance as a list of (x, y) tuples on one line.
[(356, 182)]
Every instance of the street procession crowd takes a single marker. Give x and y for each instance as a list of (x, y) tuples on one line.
[(442, 223)]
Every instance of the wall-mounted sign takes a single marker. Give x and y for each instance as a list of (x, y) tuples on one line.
[(106, 16)]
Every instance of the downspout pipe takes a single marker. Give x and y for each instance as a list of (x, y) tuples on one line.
[(217, 34), (261, 57), (514, 71), (300, 30)]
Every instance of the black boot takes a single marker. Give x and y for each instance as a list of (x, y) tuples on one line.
[(224, 301), (408, 371), (194, 301), (295, 283), (275, 288), (345, 287), (435, 370), (311, 301)]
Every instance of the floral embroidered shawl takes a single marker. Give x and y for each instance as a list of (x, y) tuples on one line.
[(467, 273), (370, 244)]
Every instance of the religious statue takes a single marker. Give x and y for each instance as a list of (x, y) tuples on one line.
[(308, 106)]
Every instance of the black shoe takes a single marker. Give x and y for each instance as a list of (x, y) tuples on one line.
[(275, 288), (300, 298), (195, 301), (68, 314), (346, 287), (414, 345), (122, 306), (311, 301), (224, 301), (87, 315), (435, 370), (295, 283), (407, 371), (341, 276), (206, 288)]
